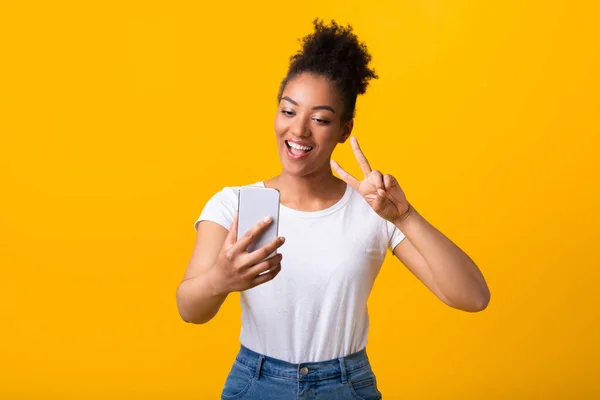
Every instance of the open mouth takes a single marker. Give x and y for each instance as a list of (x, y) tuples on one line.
[(297, 150)]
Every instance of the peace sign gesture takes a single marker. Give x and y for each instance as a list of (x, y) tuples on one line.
[(382, 192)]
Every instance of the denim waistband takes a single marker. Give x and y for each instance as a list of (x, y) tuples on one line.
[(310, 371)]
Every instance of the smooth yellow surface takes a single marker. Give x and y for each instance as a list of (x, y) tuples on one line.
[(118, 121)]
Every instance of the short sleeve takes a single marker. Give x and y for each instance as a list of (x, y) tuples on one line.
[(220, 208), (395, 235)]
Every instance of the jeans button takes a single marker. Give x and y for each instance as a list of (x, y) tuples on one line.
[(303, 371)]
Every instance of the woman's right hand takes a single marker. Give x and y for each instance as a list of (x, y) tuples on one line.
[(236, 269)]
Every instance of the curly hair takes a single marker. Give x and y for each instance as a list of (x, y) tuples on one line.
[(334, 52)]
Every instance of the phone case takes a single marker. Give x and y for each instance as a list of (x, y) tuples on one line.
[(254, 204)]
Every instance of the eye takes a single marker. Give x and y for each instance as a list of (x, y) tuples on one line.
[(321, 121), (288, 113)]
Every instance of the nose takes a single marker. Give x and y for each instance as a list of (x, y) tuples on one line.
[(300, 127)]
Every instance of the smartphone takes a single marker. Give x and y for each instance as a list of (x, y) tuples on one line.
[(254, 204)]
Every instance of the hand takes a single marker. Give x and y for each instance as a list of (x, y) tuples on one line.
[(382, 192), (238, 270)]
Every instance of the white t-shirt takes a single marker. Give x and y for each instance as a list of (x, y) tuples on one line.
[(316, 307)]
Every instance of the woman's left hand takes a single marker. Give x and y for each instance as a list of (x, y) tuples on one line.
[(382, 192)]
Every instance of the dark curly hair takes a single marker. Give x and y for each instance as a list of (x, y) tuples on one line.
[(334, 52)]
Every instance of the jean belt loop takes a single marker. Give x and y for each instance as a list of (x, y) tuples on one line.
[(343, 370), (259, 365)]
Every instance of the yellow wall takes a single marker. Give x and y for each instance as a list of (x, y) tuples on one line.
[(118, 122)]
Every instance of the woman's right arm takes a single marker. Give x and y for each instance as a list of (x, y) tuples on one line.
[(220, 265)]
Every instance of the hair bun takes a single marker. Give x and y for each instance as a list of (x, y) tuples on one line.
[(335, 52)]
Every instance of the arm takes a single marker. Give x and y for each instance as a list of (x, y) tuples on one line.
[(440, 264), (220, 265), (198, 300)]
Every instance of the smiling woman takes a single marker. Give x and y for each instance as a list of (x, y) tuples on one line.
[(304, 311), (307, 126)]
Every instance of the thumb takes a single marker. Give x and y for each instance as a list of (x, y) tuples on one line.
[(379, 200)]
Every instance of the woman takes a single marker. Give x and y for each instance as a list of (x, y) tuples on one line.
[(305, 322)]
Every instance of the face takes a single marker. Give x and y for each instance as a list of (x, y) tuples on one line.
[(308, 124)]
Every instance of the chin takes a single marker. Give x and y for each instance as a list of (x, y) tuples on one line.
[(299, 171), (294, 170)]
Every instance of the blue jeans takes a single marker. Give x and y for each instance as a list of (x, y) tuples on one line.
[(255, 376)]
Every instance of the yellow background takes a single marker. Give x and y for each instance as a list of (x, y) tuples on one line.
[(118, 122)]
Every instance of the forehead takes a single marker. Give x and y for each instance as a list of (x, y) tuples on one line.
[(311, 90)]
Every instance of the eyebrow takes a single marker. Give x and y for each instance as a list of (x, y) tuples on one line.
[(314, 108)]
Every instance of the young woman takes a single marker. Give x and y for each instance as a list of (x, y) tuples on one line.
[(305, 322)]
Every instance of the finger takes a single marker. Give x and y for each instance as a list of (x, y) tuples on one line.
[(360, 157), (232, 235), (251, 235), (264, 252), (376, 179), (389, 181), (378, 196), (346, 177), (390, 184), (379, 199), (266, 277), (265, 265)]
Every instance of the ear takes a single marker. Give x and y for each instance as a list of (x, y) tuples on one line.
[(346, 131)]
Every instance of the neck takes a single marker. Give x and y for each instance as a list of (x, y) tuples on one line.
[(310, 192)]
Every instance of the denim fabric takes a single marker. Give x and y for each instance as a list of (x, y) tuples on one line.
[(254, 376)]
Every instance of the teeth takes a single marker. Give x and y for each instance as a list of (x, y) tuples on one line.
[(298, 147)]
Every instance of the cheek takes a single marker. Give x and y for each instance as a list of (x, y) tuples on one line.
[(279, 125), (331, 136)]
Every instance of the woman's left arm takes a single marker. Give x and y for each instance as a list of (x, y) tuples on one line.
[(433, 258), (440, 264)]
